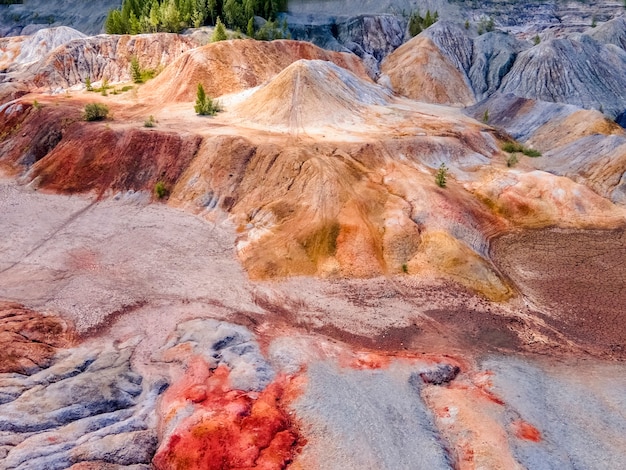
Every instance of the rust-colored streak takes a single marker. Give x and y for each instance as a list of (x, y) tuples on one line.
[(526, 431), (228, 428)]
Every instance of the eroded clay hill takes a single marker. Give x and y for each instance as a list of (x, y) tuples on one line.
[(228, 67), (324, 172), (300, 292)]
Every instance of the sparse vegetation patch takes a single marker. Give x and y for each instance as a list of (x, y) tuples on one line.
[(516, 147), (95, 112), (160, 191), (205, 106), (417, 23), (442, 176), (150, 122)]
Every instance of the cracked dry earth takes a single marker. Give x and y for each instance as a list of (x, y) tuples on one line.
[(131, 338)]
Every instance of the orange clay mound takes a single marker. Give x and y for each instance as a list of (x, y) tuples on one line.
[(305, 92), (231, 66), (419, 70)]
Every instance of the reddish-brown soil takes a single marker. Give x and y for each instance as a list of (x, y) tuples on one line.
[(228, 428), (70, 155), (29, 340), (578, 278), (92, 157)]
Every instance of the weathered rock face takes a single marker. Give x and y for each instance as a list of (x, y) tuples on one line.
[(133, 159), (106, 56), (597, 160), (492, 58), (57, 59), (56, 146), (29, 340), (446, 65), (36, 47), (86, 404), (541, 124), (581, 72), (31, 15), (371, 37)]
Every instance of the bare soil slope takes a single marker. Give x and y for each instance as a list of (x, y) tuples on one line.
[(231, 66)]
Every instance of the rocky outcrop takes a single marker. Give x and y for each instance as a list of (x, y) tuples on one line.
[(611, 32), (58, 148), (582, 72), (446, 65), (28, 340), (598, 161), (541, 124), (371, 37), (493, 56), (582, 145), (77, 58), (106, 57), (88, 405), (537, 199), (31, 15), (26, 49)]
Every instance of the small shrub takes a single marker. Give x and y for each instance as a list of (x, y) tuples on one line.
[(516, 147), (512, 147), (205, 106), (103, 87), (531, 152), (88, 84), (150, 122), (486, 25), (486, 116), (95, 112), (148, 74), (467, 25), (405, 268), (36, 105), (160, 190), (511, 160), (441, 176), (536, 39)]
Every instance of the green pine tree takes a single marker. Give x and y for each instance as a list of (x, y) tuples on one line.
[(135, 70), (204, 104), (219, 33), (250, 27), (441, 176)]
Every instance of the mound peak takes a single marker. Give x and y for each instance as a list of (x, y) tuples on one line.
[(232, 66), (312, 93)]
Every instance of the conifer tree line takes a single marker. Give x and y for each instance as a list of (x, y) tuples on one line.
[(151, 16)]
